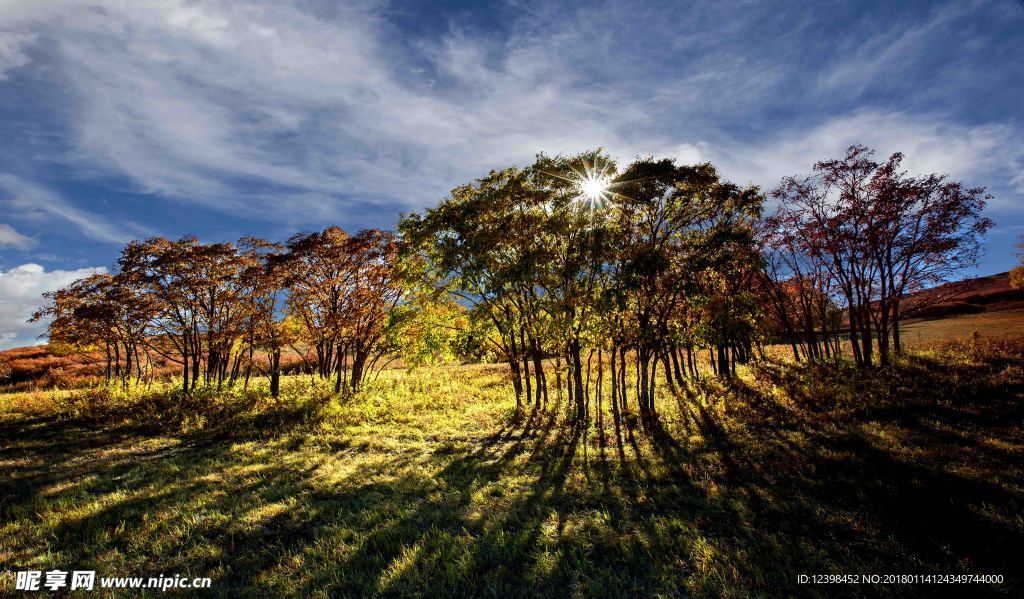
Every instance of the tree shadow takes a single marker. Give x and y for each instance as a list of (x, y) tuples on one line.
[(700, 499)]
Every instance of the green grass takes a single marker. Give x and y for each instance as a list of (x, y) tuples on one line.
[(430, 484)]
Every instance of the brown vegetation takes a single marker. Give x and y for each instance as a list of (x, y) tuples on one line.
[(991, 293), (45, 366)]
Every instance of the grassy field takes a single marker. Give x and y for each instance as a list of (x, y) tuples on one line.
[(1001, 324), (430, 483)]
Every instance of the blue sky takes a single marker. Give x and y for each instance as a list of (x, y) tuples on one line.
[(126, 118)]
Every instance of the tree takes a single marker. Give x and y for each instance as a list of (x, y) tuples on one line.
[(428, 329), (659, 210), (344, 289), (800, 291), (101, 311), (685, 239), (266, 276), (379, 285), (478, 246), (571, 240), (78, 317), (566, 258), (318, 282), (197, 290), (928, 228), (1017, 274), (881, 235), (731, 264)]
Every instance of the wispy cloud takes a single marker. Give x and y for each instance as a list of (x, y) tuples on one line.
[(981, 155), (30, 201), (188, 100), (10, 238), (12, 50), (281, 112)]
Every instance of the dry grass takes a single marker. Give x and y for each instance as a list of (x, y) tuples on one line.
[(430, 484), (996, 325)]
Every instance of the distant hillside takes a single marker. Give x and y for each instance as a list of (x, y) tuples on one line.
[(40, 365), (970, 296), (43, 366)]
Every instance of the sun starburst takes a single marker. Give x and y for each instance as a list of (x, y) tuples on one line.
[(593, 186)]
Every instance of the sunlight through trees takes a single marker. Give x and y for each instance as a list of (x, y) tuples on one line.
[(577, 273)]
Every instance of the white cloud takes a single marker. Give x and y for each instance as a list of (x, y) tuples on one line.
[(12, 239), (276, 112), (188, 99), (890, 53), (34, 202), (21, 294), (12, 50), (985, 155)]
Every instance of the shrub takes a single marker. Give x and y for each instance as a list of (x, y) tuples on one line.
[(1017, 278)]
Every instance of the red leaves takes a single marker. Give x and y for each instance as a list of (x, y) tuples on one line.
[(878, 231)]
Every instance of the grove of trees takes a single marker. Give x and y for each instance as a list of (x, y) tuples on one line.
[(210, 307), (580, 274), (855, 238)]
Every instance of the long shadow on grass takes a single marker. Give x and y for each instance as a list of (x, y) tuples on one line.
[(740, 511), (869, 488), (519, 517)]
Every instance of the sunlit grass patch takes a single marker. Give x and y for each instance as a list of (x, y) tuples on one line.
[(429, 483)]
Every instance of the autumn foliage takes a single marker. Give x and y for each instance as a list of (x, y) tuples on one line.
[(211, 309), (864, 234), (577, 273)]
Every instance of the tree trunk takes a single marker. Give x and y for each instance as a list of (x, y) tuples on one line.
[(622, 379), (195, 369), (653, 385), (526, 376), (576, 358), (540, 377), (106, 347), (614, 379), (600, 385), (275, 373), (668, 371), (517, 381), (676, 368), (558, 378), (883, 337), (643, 372), (854, 342), (184, 371), (586, 393), (866, 341), (358, 367), (338, 371)]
